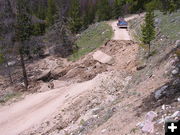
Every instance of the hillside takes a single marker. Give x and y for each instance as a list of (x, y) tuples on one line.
[(99, 32), (108, 90)]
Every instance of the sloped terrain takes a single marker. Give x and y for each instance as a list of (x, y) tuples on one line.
[(99, 95), (88, 97), (74, 104)]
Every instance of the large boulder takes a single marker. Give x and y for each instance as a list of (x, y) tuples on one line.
[(44, 76), (148, 124), (103, 58), (160, 92), (58, 72)]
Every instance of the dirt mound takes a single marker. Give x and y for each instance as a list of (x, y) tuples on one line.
[(124, 53), (97, 97), (87, 68), (79, 72), (82, 70)]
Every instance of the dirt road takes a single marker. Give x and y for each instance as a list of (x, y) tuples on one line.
[(121, 34), (35, 108)]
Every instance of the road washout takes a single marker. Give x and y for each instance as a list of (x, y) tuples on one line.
[(35, 108)]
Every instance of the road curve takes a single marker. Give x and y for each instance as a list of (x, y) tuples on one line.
[(35, 108), (120, 33)]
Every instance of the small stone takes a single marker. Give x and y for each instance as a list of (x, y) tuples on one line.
[(96, 111), (178, 99), (140, 124), (168, 107), (177, 44), (163, 36), (141, 67), (176, 58), (103, 32), (175, 71), (176, 82), (172, 62), (114, 109), (163, 107), (103, 131), (172, 20), (157, 21), (95, 116), (11, 63)]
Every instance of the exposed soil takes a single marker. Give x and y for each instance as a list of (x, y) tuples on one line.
[(87, 97), (36, 107)]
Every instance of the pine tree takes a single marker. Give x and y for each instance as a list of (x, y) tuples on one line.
[(23, 32), (75, 21), (104, 10), (169, 6), (148, 29), (1, 58), (51, 11), (39, 28), (88, 16), (117, 9), (1, 30), (86, 19)]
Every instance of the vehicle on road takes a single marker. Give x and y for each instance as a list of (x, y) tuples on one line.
[(122, 23)]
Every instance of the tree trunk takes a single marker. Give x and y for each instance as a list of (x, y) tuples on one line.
[(23, 69), (149, 50)]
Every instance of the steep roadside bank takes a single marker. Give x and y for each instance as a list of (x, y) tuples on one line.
[(62, 101), (96, 104)]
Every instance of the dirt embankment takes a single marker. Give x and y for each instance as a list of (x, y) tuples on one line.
[(36, 108), (111, 102)]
